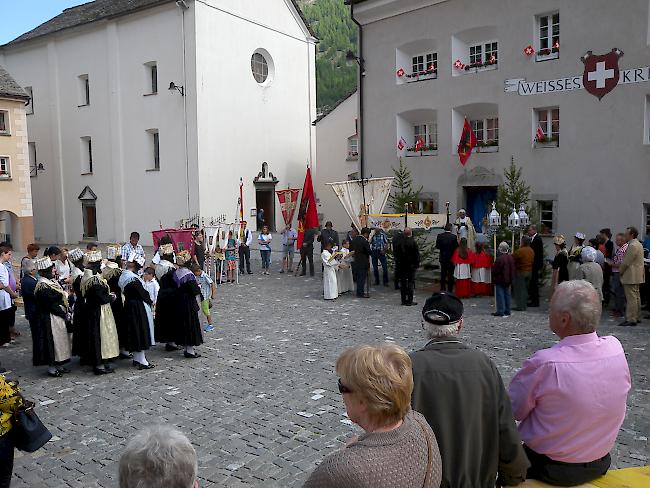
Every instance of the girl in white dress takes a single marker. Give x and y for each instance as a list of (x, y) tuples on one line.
[(344, 271), (330, 264)]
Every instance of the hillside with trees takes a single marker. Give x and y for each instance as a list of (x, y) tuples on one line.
[(337, 34)]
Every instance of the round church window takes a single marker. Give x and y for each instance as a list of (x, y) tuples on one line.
[(259, 67)]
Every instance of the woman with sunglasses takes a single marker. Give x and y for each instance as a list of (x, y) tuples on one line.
[(398, 448)]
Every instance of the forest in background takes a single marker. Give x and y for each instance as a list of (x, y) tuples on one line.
[(337, 34)]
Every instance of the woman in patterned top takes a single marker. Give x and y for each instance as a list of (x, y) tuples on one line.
[(10, 402)]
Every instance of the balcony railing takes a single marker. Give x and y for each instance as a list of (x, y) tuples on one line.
[(481, 66), (486, 147), (430, 74), (553, 141), (547, 54)]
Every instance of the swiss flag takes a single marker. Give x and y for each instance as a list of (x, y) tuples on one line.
[(467, 143), (556, 45), (401, 143), (539, 134), (400, 72), (458, 64), (529, 50), (419, 144)]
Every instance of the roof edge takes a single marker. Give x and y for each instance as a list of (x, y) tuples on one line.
[(334, 107)]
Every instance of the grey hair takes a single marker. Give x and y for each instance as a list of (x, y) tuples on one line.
[(580, 300), (438, 331), (158, 456), (29, 266), (504, 247)]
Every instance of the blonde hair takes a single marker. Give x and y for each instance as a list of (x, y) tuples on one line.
[(382, 377)]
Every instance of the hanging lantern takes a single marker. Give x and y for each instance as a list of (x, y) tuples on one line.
[(524, 220), (513, 220), (494, 219)]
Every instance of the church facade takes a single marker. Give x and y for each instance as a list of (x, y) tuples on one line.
[(147, 113), (561, 88)]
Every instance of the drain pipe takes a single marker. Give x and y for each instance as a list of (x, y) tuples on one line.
[(360, 91)]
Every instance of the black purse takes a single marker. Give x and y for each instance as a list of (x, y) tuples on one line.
[(28, 431)]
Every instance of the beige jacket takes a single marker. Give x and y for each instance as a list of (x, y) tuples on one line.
[(632, 272)]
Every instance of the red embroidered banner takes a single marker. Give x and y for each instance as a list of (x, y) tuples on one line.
[(288, 202)]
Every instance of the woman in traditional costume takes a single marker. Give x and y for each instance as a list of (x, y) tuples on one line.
[(344, 271), (138, 320), (575, 256), (330, 264), (51, 342), (101, 343), (481, 272), (166, 322), (111, 273), (462, 260), (76, 257), (188, 331)]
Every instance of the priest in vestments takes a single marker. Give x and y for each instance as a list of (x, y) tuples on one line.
[(465, 228)]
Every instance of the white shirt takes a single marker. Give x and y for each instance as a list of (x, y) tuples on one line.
[(5, 299), (152, 287), (62, 269)]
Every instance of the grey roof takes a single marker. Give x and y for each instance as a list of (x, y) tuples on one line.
[(85, 14), (101, 10), (331, 108), (9, 88)]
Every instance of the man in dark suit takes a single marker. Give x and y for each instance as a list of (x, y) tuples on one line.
[(537, 245), (361, 264), (446, 243), (409, 257)]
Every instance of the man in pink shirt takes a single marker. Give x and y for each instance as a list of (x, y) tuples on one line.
[(571, 398)]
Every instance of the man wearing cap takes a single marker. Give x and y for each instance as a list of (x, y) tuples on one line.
[(460, 392), (570, 399), (465, 228)]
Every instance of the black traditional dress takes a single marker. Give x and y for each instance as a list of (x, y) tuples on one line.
[(79, 319), (166, 322), (51, 343), (188, 332), (112, 277), (101, 341), (135, 316)]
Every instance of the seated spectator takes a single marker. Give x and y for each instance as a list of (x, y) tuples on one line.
[(460, 392), (590, 270), (571, 398), (399, 449), (158, 456)]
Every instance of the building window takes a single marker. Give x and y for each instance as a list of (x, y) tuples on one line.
[(5, 169), (4, 123), (353, 148), (259, 67), (29, 108), (427, 206), (548, 28), (84, 90), (155, 150), (646, 207), (486, 132), (151, 76), (546, 216), (483, 54), (424, 62), (548, 120), (426, 135), (33, 162), (86, 155)]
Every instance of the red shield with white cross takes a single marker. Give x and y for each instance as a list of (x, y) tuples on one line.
[(601, 72)]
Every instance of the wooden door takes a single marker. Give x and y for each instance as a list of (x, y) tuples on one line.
[(90, 220)]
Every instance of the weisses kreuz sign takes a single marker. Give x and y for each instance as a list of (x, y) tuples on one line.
[(601, 75)]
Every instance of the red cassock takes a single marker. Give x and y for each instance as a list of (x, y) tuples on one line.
[(463, 274), (482, 274)]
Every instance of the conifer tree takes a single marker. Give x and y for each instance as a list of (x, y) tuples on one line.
[(402, 191)]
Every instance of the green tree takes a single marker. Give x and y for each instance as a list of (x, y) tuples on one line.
[(403, 191), (512, 194)]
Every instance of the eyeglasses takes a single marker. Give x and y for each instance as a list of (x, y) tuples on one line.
[(343, 388)]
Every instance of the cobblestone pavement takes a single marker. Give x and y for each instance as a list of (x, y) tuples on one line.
[(261, 405)]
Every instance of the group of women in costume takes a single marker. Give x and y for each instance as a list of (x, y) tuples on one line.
[(112, 316)]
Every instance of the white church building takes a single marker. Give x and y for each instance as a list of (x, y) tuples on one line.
[(148, 112)]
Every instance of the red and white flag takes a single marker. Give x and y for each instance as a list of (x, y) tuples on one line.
[(401, 143), (539, 134), (400, 72), (458, 64), (288, 202), (493, 59), (529, 50), (467, 143), (556, 45), (419, 144)]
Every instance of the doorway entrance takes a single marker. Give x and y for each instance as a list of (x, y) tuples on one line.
[(264, 200), (89, 213), (479, 203)]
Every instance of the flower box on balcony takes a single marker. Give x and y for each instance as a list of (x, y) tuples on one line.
[(548, 142), (430, 74), (428, 150), (547, 54), (352, 156), (486, 147), (480, 66)]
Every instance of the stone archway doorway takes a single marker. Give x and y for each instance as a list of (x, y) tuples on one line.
[(265, 184), (88, 200)]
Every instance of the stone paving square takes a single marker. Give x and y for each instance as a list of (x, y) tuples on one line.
[(261, 406)]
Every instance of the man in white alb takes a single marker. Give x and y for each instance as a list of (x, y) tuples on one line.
[(465, 228)]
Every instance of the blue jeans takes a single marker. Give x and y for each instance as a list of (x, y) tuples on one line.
[(503, 299), (378, 257), (266, 259)]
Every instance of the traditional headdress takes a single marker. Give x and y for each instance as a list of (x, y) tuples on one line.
[(75, 255), (44, 263), (166, 249), (559, 240), (112, 252), (183, 257), (134, 258), (94, 256), (580, 235), (588, 254)]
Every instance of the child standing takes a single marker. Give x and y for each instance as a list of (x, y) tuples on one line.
[(231, 258), (463, 258), (264, 241), (208, 292), (151, 285)]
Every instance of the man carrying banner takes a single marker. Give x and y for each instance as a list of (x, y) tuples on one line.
[(289, 236)]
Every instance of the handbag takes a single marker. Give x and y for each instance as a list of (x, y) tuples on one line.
[(28, 431)]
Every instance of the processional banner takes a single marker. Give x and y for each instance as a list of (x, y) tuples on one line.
[(182, 239), (363, 197), (288, 202), (390, 222)]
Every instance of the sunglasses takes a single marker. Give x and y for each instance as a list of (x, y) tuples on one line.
[(343, 388)]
